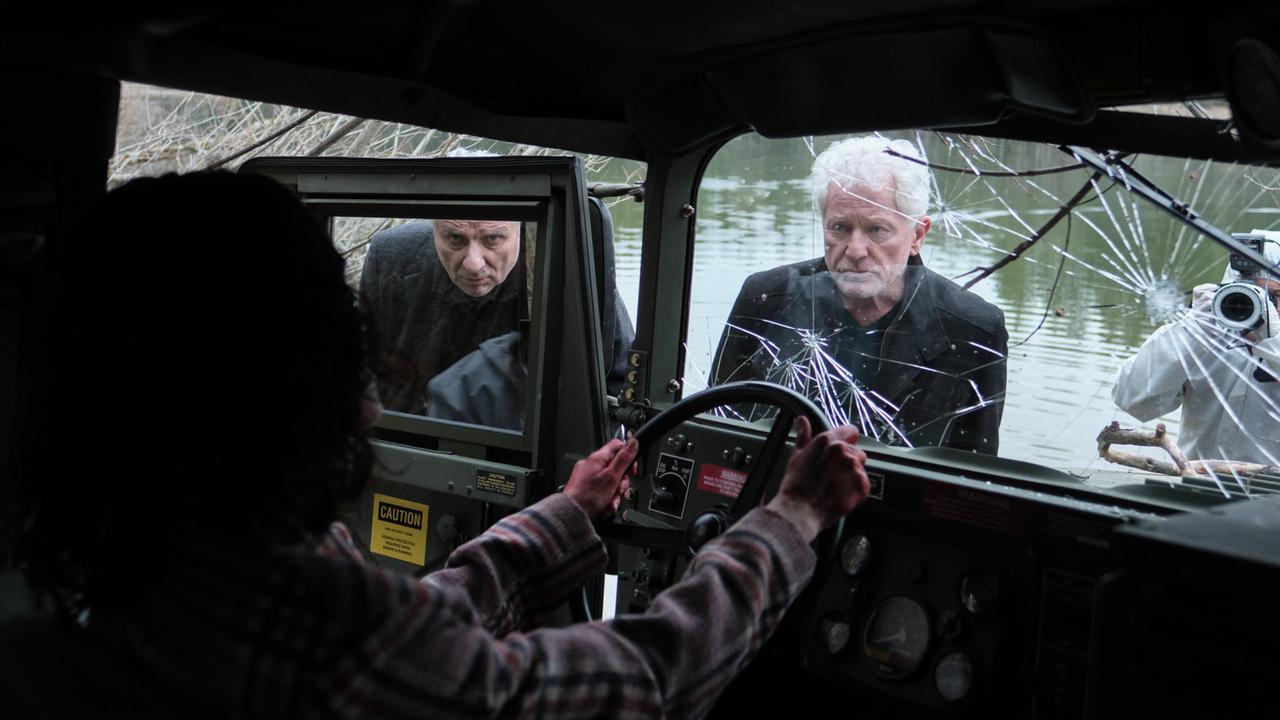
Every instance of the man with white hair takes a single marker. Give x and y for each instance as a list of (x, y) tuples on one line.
[(866, 330), (1221, 370)]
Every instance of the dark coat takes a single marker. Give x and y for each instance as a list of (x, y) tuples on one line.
[(424, 324), (486, 387), (934, 376)]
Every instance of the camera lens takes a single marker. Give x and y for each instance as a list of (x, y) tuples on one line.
[(1237, 307), (1240, 305)]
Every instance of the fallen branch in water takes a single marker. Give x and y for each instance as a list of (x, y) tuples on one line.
[(1113, 434)]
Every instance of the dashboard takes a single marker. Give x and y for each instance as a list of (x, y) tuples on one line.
[(953, 592)]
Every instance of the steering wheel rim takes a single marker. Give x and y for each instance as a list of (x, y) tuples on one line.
[(747, 391), (790, 404)]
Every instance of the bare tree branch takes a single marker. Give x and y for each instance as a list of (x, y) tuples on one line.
[(264, 141), (343, 130), (1026, 245), (1113, 434)]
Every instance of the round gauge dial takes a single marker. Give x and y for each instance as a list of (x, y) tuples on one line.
[(953, 676), (834, 633), (855, 554), (896, 637)]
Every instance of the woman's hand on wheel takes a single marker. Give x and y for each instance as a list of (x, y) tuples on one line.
[(826, 478)]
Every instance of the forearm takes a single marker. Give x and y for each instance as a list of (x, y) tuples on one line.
[(1149, 384), (428, 657), (522, 567), (674, 659), (700, 632)]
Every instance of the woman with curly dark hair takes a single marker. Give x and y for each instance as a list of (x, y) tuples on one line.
[(205, 401), (204, 381)]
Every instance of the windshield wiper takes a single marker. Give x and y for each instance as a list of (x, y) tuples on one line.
[(1115, 167)]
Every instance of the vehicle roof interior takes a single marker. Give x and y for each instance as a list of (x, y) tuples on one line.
[(662, 79)]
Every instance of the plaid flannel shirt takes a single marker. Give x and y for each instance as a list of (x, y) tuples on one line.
[(321, 634)]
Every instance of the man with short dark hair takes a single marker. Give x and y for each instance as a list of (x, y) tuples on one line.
[(432, 299), (437, 290), (477, 255)]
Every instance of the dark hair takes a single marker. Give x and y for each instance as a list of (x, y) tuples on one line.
[(206, 364)]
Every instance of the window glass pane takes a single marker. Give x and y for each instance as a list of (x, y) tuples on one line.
[(993, 296), (449, 301)]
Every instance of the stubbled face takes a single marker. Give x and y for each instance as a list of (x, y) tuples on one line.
[(477, 254), (868, 242)]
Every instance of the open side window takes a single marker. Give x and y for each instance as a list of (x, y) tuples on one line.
[(480, 284)]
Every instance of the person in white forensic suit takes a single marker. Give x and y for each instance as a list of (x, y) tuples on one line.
[(1224, 378)]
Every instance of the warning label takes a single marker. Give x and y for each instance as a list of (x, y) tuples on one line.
[(399, 529), (721, 480), (496, 482), (977, 508), (1079, 528)]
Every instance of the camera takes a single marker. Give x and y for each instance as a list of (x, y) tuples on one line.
[(1242, 264), (1240, 305)]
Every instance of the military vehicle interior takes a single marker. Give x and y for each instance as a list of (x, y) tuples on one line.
[(1092, 162)]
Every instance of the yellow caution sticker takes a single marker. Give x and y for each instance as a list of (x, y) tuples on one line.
[(399, 529)]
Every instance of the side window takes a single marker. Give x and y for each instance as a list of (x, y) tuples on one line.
[(996, 296), (449, 303), (424, 331)]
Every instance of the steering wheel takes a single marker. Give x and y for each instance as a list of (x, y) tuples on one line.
[(713, 522)]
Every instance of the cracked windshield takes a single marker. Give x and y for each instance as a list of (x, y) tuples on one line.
[(998, 297)]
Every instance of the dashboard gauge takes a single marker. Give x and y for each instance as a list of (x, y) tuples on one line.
[(855, 554), (953, 676), (834, 633), (980, 590), (896, 637)]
